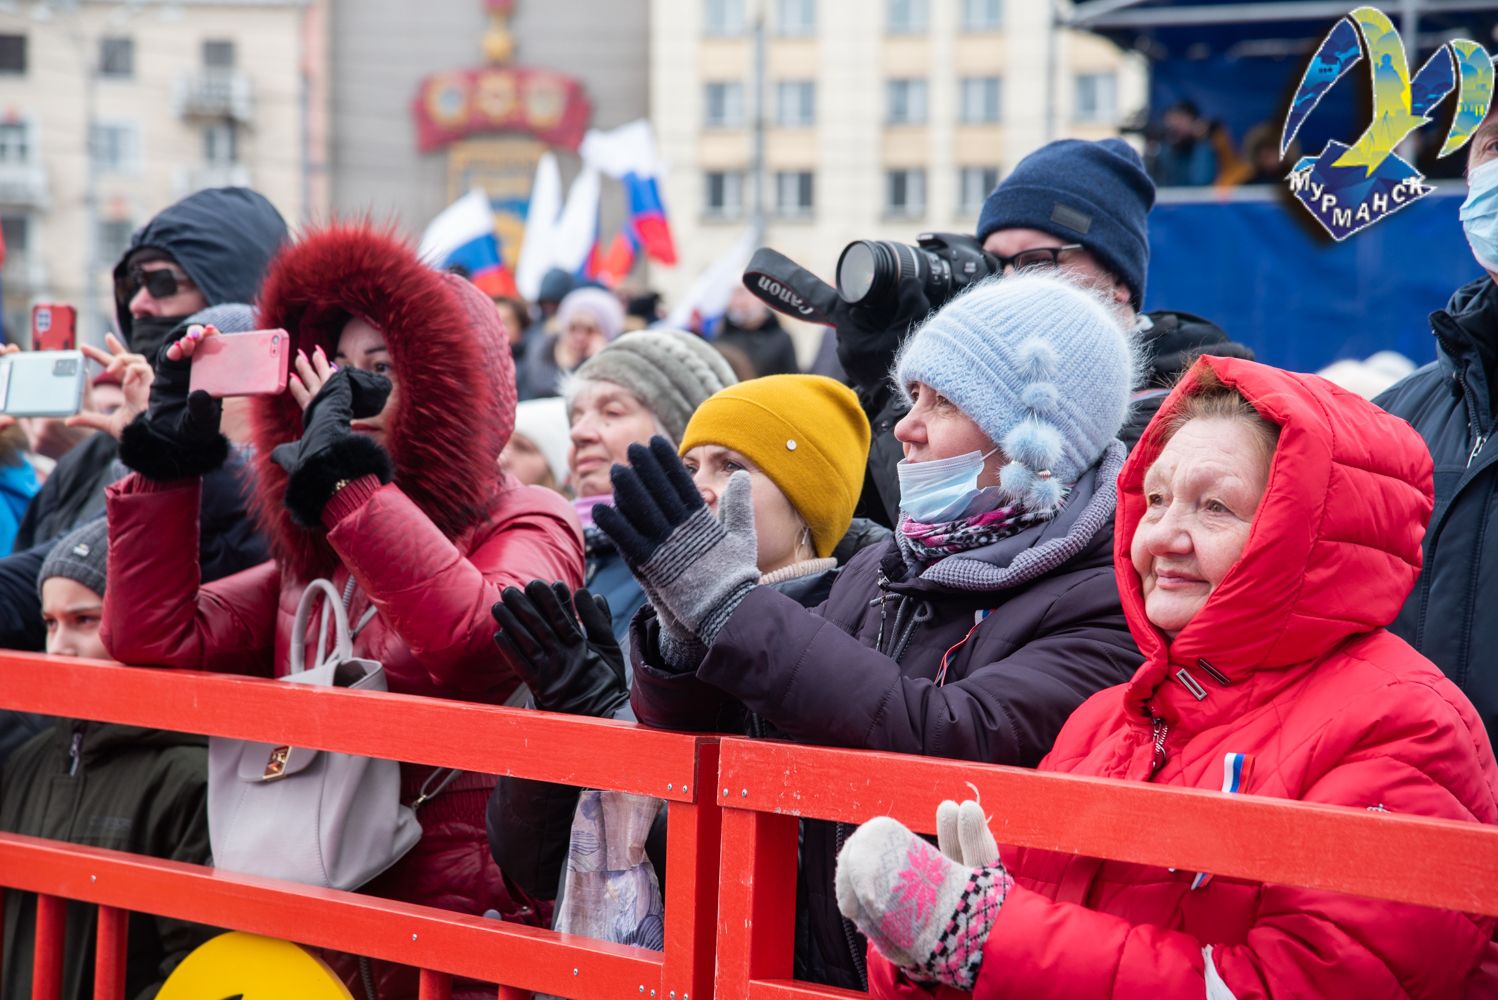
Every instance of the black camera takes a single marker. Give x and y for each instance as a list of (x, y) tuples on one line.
[(871, 275)]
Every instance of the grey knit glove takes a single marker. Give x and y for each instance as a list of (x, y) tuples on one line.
[(693, 568)]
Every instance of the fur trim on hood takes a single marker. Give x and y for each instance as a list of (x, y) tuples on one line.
[(454, 376)]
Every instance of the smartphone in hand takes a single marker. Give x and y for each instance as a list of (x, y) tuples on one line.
[(254, 363), (53, 327), (42, 383)]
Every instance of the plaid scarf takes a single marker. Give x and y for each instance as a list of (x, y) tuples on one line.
[(930, 543)]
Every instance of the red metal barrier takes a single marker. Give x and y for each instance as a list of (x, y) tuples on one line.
[(766, 786), (591, 752)]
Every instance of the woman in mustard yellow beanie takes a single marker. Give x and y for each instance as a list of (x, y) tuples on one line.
[(804, 441)]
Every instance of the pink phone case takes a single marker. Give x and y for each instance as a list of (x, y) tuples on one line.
[(242, 364)]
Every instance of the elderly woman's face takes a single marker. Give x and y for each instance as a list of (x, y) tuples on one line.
[(1200, 498), (935, 428), (582, 339), (606, 420)]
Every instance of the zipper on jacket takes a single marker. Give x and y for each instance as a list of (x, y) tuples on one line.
[(1162, 730), (75, 753), (1476, 448)]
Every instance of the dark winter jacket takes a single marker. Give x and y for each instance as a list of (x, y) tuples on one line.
[(606, 574), (861, 671), (224, 238), (770, 350), (119, 787), (1449, 616)]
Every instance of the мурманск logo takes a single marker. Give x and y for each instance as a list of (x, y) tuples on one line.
[(1348, 188)]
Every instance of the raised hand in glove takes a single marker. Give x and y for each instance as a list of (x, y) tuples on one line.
[(570, 660), (935, 934), (694, 569), (178, 436), (330, 455)]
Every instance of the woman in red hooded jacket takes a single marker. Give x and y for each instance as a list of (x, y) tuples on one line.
[(388, 485), (1269, 527)]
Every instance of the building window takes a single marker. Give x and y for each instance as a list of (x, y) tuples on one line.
[(117, 57), (907, 102), (908, 17), (975, 185), (795, 104), (15, 143), (724, 17), (1097, 97), (115, 148), (723, 194), (798, 17), (218, 55), (982, 15), (15, 231), (114, 238), (12, 53), (220, 145), (980, 99), (905, 193), (723, 105), (794, 193)]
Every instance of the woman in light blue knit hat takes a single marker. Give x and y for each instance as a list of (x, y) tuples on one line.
[(972, 634)]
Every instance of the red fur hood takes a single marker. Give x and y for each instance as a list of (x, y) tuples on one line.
[(456, 397)]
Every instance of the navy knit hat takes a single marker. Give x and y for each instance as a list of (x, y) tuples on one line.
[(1093, 193)]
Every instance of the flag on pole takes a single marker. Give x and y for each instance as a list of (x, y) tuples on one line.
[(628, 155), (463, 234), (540, 223)]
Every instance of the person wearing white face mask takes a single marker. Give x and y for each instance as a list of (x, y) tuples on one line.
[(973, 634), (1452, 404)]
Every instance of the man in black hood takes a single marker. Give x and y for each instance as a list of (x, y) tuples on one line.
[(209, 248)]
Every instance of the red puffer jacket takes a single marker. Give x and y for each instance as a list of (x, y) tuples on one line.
[(430, 552), (1328, 706)]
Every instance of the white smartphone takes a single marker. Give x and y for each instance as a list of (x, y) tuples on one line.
[(42, 383)]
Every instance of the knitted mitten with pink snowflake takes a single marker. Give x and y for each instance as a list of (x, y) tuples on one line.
[(928, 911)]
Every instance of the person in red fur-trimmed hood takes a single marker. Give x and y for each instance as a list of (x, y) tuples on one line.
[(378, 470)]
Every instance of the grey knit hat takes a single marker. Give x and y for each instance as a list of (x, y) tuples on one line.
[(81, 555), (670, 371)]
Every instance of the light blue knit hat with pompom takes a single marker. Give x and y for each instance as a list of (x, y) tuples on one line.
[(1040, 365)]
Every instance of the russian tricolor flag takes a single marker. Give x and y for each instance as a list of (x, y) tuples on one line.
[(463, 234), (628, 155)]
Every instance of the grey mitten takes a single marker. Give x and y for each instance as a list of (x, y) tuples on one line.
[(695, 568)]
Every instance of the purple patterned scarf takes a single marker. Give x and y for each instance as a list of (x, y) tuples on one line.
[(932, 542)]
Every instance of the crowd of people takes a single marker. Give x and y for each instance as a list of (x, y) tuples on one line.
[(1036, 526)]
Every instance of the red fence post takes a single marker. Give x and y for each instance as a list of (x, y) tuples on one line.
[(693, 836), (46, 968), (756, 899), (111, 951), (435, 985)]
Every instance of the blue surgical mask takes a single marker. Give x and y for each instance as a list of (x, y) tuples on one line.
[(938, 491), (1479, 214)]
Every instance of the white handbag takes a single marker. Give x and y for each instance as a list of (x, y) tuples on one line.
[(309, 816)]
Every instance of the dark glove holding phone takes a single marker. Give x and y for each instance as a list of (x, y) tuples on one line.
[(570, 660), (178, 436), (330, 455)]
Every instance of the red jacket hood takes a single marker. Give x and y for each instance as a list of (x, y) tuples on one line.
[(457, 381), (1334, 548)]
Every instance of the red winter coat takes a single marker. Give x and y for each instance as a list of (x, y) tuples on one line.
[(1331, 708), (431, 550)]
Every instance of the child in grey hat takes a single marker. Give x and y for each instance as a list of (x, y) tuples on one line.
[(71, 584)]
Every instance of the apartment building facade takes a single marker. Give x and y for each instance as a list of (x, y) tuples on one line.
[(866, 118), (109, 112)]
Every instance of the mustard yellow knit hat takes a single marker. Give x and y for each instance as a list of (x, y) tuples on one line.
[(806, 432)]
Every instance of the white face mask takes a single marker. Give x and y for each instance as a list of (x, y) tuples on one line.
[(937, 491), (1479, 214)]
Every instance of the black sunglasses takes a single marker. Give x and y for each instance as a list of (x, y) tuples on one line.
[(162, 282), (1045, 258)]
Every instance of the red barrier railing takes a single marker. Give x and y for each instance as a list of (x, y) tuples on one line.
[(568, 749), (766, 786)]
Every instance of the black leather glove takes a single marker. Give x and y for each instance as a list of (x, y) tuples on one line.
[(178, 435), (868, 338), (330, 454), (571, 661)]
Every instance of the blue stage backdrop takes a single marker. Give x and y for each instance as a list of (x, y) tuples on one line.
[(1302, 303)]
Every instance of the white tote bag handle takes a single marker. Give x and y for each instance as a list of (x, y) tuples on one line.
[(343, 649)]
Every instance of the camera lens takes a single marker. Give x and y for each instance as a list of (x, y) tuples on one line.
[(857, 270)]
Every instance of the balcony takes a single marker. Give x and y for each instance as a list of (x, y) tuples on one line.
[(186, 180), (23, 185), (224, 94)]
